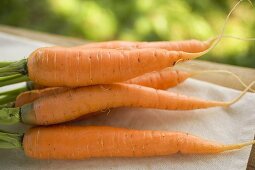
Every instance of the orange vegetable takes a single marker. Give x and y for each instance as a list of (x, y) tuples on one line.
[(75, 67), (80, 142), (191, 46), (81, 67), (78, 102)]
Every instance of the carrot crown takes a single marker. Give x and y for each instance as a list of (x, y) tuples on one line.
[(10, 140), (9, 115)]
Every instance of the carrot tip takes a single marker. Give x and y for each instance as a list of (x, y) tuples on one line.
[(241, 95), (211, 41), (238, 146)]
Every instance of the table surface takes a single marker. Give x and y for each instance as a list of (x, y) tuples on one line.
[(247, 74)]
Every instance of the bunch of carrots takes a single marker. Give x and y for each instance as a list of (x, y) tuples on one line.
[(65, 84)]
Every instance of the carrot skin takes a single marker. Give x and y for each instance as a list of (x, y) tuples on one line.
[(75, 67), (77, 102), (81, 142)]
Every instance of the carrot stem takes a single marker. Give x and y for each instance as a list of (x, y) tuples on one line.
[(10, 140), (9, 77), (14, 80), (7, 99), (18, 67), (9, 116), (5, 63), (14, 92), (7, 105)]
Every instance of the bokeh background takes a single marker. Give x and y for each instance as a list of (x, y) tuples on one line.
[(140, 20)]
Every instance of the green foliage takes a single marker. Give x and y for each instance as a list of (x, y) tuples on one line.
[(141, 20)]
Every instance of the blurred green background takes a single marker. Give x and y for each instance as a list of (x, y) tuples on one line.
[(141, 20)]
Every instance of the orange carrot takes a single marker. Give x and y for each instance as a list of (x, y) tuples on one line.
[(80, 142), (75, 67), (191, 46), (67, 67), (77, 102)]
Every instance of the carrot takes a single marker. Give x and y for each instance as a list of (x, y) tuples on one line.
[(75, 67), (77, 102), (168, 77), (163, 79), (83, 142), (191, 46)]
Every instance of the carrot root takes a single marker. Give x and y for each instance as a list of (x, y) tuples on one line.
[(237, 146), (79, 142), (195, 73), (241, 95)]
